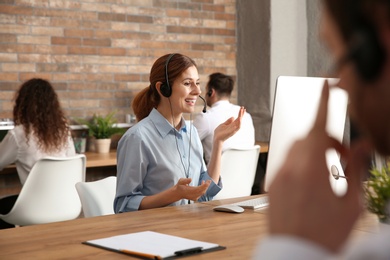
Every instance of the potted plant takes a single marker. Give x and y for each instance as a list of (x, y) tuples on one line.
[(102, 128), (377, 192)]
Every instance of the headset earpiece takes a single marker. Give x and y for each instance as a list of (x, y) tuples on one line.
[(165, 88), (210, 92), (367, 54), (365, 50)]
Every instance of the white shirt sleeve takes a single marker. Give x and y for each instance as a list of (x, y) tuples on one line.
[(286, 247), (8, 150)]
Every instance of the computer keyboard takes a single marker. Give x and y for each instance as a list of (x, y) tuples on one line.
[(256, 203)]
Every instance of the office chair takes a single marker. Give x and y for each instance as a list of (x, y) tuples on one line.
[(238, 170), (49, 193), (97, 197)]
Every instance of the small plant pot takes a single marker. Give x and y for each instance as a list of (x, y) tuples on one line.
[(102, 145)]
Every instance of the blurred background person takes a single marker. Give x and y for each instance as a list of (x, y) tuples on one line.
[(306, 219), (218, 92), (41, 130)]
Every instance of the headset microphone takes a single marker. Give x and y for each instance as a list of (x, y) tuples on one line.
[(205, 105)]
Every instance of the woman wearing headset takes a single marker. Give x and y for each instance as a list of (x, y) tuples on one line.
[(160, 159)]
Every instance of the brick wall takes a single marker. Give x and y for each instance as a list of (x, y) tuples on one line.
[(98, 53)]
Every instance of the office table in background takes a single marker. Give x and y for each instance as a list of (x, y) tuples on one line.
[(240, 233)]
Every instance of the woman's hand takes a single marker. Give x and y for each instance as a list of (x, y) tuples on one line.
[(191, 192), (229, 127)]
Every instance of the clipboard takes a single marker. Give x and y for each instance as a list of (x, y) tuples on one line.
[(153, 245)]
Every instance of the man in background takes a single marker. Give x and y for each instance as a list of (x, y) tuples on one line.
[(218, 91)]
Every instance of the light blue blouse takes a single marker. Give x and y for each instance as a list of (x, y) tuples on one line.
[(152, 156)]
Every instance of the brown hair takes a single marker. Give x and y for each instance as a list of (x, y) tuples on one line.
[(350, 14), (221, 83), (37, 108), (149, 97)]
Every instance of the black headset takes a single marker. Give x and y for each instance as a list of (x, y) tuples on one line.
[(165, 88), (210, 92), (366, 51)]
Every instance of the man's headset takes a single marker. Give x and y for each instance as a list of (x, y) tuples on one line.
[(166, 89), (366, 52)]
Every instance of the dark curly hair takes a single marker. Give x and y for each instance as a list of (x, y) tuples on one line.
[(38, 109)]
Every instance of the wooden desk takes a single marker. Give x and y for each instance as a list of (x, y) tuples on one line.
[(263, 146), (238, 232), (93, 160), (101, 159)]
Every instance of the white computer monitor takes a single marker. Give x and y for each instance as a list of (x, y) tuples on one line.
[(295, 108)]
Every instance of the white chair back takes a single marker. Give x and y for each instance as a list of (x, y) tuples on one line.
[(49, 193), (97, 197), (238, 171)]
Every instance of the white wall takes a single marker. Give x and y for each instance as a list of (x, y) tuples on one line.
[(288, 40)]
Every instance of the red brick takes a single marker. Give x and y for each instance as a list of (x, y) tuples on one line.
[(96, 25), (65, 23), (7, 38), (9, 76), (78, 33), (112, 17), (8, 57), (47, 31), (52, 49), (7, 95), (96, 42), (9, 85), (68, 76), (139, 19), (65, 41), (178, 13), (108, 34), (225, 32), (127, 77), (190, 6), (82, 50), (112, 51), (52, 67), (112, 103), (34, 58), (202, 15), (82, 87), (136, 35), (14, 29), (98, 94), (107, 86), (203, 1), (28, 75), (98, 77), (16, 9), (214, 8), (84, 103), (225, 16), (153, 45), (202, 47)]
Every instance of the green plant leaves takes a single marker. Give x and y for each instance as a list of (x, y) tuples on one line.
[(102, 127), (377, 191)]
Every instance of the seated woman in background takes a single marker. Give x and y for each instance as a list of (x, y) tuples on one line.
[(160, 159), (40, 130)]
